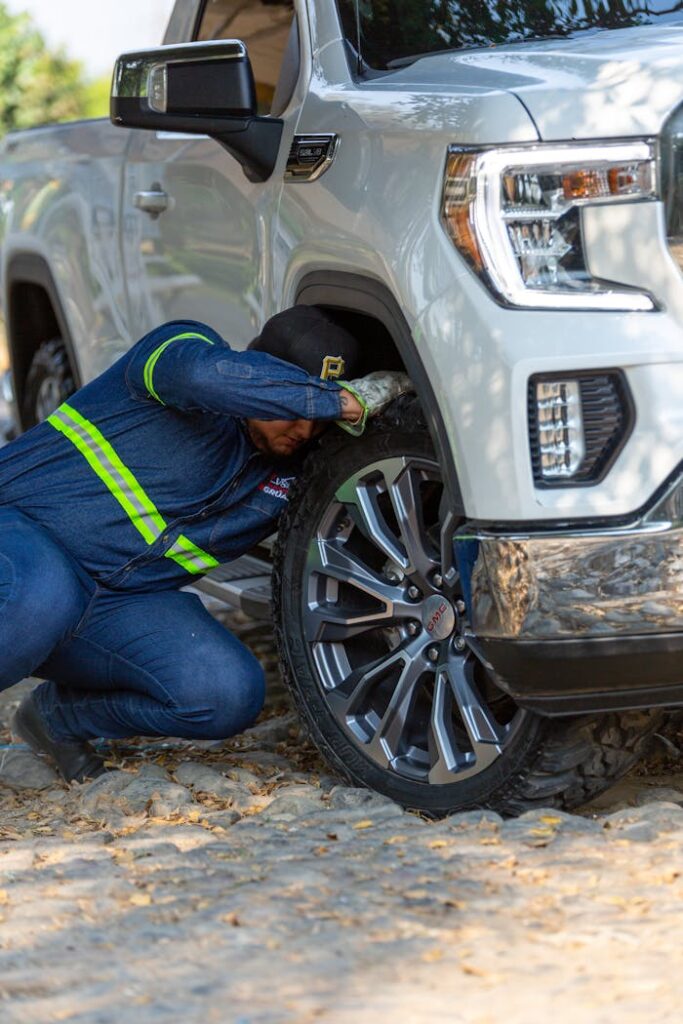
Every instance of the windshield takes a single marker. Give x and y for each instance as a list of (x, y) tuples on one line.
[(394, 31)]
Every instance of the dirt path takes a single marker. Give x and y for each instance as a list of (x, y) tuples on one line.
[(241, 883)]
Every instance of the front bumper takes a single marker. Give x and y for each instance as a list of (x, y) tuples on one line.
[(579, 619)]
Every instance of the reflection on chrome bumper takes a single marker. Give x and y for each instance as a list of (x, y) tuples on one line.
[(578, 583)]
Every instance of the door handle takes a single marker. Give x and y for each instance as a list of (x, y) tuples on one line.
[(153, 201)]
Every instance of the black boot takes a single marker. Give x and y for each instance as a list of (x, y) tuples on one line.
[(76, 760)]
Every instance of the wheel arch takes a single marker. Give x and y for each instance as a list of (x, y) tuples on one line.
[(35, 314), (338, 290)]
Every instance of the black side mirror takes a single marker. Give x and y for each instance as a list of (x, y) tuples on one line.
[(201, 88)]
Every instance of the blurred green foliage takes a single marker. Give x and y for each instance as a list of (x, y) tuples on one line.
[(37, 85), (97, 97)]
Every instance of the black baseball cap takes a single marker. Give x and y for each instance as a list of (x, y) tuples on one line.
[(309, 338)]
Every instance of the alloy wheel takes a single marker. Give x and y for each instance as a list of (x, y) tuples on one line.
[(387, 634)]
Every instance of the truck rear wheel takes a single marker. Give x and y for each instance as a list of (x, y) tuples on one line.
[(370, 650), (49, 382)]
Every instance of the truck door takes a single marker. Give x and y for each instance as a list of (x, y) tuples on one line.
[(195, 232)]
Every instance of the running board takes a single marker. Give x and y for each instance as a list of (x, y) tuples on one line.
[(243, 584)]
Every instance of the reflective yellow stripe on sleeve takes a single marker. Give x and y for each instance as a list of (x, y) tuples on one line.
[(148, 372), (123, 485)]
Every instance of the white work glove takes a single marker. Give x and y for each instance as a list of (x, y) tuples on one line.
[(374, 392)]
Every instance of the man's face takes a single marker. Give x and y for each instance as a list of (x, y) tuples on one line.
[(283, 437)]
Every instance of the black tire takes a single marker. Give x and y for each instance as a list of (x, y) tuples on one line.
[(558, 763), (49, 382)]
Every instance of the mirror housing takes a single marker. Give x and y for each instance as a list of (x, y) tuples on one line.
[(201, 89)]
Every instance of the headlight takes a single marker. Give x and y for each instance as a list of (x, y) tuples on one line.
[(515, 216)]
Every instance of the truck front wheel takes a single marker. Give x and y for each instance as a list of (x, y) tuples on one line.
[(370, 648)]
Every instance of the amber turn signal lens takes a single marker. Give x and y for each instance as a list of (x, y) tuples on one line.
[(584, 184), (601, 183), (459, 194)]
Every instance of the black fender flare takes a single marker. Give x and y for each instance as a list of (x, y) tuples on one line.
[(359, 294)]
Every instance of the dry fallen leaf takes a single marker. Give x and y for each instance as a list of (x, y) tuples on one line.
[(140, 899), (477, 972), (366, 823), (432, 955), (7, 832), (437, 844)]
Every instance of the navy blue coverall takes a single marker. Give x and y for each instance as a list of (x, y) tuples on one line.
[(142, 481)]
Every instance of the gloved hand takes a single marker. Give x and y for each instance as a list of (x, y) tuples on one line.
[(374, 392)]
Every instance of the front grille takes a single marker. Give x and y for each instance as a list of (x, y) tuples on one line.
[(608, 417)]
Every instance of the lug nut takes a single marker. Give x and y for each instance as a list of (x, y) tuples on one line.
[(413, 593), (460, 607), (433, 653), (459, 643), (437, 579), (413, 628), (392, 577)]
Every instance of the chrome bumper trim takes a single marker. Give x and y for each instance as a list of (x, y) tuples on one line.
[(586, 583)]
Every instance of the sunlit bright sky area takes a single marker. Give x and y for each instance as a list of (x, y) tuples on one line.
[(97, 31)]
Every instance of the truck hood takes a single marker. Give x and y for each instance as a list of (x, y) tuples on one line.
[(610, 84)]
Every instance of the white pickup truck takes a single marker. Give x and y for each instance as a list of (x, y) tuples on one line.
[(481, 602)]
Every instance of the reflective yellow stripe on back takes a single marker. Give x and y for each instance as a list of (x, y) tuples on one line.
[(124, 486)]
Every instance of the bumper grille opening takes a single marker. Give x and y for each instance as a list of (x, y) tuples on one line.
[(608, 417)]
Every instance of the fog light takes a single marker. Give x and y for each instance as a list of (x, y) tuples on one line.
[(560, 428)]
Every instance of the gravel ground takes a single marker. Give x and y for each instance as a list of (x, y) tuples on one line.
[(239, 882)]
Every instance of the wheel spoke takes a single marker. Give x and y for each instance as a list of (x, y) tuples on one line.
[(386, 742), (407, 502), (360, 497), (330, 623), (347, 697), (443, 732), (482, 728), (332, 558), (334, 622)]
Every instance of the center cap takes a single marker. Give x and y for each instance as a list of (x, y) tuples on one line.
[(438, 617)]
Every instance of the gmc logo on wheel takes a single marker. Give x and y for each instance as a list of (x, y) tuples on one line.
[(436, 617)]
